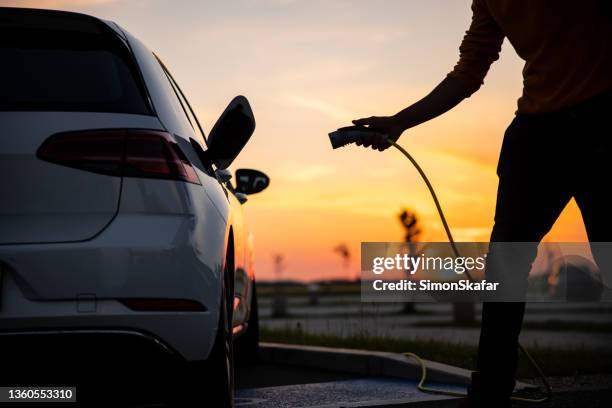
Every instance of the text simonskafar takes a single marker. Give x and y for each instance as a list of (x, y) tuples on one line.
[(429, 286)]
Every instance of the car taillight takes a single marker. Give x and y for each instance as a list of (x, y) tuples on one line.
[(163, 305), (128, 153), (98, 151), (156, 154)]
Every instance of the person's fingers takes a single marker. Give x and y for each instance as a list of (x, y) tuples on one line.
[(365, 121), (361, 122), (375, 142), (367, 142), (382, 142)]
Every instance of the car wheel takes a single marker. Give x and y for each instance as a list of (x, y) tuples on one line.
[(247, 345), (211, 382)]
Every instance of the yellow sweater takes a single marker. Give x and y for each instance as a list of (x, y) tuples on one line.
[(566, 45)]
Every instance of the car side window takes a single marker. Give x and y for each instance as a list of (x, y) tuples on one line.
[(186, 106), (174, 101), (190, 115)]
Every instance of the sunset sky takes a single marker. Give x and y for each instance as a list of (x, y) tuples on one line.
[(310, 66)]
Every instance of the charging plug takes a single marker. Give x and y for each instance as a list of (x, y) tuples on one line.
[(350, 134)]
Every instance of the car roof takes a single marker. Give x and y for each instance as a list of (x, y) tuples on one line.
[(19, 17), (25, 11)]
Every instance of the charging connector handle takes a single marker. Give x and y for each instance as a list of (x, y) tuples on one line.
[(350, 134)]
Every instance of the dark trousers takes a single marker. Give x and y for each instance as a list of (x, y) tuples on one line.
[(545, 160)]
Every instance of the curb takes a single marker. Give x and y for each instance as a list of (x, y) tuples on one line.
[(361, 362), (366, 363)]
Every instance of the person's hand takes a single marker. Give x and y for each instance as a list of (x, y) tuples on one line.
[(389, 126)]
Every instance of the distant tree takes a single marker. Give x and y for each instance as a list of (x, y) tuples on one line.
[(412, 232), (344, 252), (279, 300), (278, 265), (412, 228)]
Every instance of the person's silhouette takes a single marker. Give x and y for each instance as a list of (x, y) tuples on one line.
[(558, 146)]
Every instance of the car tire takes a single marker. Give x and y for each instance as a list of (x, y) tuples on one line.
[(247, 345), (210, 383)]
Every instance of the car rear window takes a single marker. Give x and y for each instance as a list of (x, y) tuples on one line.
[(66, 62)]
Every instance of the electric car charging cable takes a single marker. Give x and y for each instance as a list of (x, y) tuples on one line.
[(352, 134)]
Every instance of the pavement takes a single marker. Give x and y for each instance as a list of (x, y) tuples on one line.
[(272, 383), (358, 392), (321, 377)]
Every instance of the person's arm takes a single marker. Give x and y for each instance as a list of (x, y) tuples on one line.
[(479, 49), (444, 97)]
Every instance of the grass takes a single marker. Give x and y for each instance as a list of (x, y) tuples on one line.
[(554, 362), (302, 290)]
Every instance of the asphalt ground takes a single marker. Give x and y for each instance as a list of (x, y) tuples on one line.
[(313, 389), (283, 386)]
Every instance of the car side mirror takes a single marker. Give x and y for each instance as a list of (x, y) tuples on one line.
[(230, 133), (249, 181)]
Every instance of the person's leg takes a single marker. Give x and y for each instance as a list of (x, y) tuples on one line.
[(530, 197), (591, 184)]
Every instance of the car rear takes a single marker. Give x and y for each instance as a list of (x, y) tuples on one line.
[(102, 214)]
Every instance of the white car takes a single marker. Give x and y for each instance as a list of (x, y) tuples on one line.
[(120, 230)]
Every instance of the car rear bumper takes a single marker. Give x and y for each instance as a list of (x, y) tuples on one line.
[(72, 287), (186, 335)]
